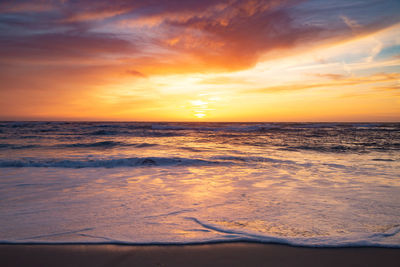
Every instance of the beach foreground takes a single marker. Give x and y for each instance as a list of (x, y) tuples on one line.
[(225, 254)]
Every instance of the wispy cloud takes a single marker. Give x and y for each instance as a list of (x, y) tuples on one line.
[(335, 80), (354, 25)]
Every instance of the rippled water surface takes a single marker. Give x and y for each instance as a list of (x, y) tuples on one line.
[(313, 184)]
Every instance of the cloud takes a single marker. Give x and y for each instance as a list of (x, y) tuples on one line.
[(336, 81), (136, 73), (25, 6), (374, 51), (332, 76), (235, 36), (61, 46), (352, 24), (93, 15), (204, 35), (224, 80)]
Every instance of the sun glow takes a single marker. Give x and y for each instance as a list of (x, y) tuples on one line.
[(200, 115), (200, 108)]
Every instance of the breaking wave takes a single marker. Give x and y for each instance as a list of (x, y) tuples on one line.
[(105, 163)]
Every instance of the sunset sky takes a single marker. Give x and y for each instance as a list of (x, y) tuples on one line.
[(200, 60)]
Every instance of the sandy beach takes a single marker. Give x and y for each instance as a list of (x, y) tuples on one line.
[(226, 254)]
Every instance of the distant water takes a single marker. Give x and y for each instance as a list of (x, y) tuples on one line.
[(306, 184)]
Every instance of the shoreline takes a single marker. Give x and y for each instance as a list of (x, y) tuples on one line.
[(216, 254), (200, 243)]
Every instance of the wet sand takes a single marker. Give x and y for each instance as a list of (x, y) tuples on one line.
[(226, 254)]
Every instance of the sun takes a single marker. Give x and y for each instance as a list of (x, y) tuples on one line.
[(200, 107), (200, 115)]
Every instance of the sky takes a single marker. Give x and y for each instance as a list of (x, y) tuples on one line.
[(191, 60)]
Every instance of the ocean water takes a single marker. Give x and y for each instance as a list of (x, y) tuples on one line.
[(305, 184)]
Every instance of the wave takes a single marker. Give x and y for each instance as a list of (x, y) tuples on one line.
[(100, 144), (105, 132), (142, 133), (253, 159), (383, 159), (138, 161), (226, 235), (104, 163), (145, 145), (352, 240), (334, 148), (104, 144), (359, 148), (216, 127), (107, 144)]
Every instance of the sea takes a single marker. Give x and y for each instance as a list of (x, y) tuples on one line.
[(302, 184)]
